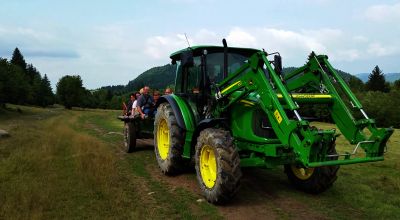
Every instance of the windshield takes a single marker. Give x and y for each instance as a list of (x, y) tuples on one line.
[(215, 65)]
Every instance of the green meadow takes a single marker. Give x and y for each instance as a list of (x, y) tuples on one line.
[(70, 164)]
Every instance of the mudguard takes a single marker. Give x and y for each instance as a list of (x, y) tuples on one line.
[(184, 117)]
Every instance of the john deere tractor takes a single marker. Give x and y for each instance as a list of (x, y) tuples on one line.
[(234, 108)]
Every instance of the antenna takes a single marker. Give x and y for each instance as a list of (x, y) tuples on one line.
[(187, 40)]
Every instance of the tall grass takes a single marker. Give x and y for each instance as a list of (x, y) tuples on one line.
[(69, 164), (63, 164), (48, 170)]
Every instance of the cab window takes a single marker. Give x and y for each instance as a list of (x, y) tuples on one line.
[(194, 77)]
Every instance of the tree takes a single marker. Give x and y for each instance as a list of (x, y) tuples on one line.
[(13, 86), (376, 81), (396, 84), (19, 80), (18, 60), (70, 91), (48, 95), (42, 93), (37, 94), (3, 81), (356, 84), (32, 73), (385, 114)]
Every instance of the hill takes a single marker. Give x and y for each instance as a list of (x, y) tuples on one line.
[(346, 76), (390, 77), (157, 77), (163, 76)]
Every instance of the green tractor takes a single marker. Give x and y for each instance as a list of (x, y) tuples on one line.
[(234, 108)]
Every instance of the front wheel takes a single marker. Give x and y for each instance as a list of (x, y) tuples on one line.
[(313, 180), (217, 165)]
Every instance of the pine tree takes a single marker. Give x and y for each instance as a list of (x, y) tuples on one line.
[(32, 73), (48, 95), (18, 60), (376, 81), (37, 95), (18, 88), (3, 81)]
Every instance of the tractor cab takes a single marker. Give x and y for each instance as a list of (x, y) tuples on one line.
[(200, 68)]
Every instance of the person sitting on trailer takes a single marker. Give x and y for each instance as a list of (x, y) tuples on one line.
[(168, 91), (156, 96), (137, 95), (130, 103), (134, 111), (145, 103)]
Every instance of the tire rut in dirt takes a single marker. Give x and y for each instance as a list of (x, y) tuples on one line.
[(228, 174)]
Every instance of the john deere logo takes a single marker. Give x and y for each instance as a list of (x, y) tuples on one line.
[(278, 116)]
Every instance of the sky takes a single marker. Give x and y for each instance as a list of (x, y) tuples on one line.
[(112, 42)]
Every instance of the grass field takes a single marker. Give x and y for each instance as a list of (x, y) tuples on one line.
[(70, 164)]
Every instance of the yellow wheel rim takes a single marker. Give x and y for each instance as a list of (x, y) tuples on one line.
[(208, 166), (163, 139), (302, 173)]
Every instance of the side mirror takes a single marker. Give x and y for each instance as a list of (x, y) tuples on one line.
[(278, 64), (173, 62), (187, 58)]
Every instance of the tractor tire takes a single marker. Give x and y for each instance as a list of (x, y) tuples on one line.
[(217, 165), (129, 137), (313, 180), (168, 140)]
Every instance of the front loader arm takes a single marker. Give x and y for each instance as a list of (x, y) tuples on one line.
[(273, 99), (318, 71)]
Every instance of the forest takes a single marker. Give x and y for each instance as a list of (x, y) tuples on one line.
[(21, 83)]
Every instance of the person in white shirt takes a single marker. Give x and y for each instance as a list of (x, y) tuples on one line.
[(134, 109)]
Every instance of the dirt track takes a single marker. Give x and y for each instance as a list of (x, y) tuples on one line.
[(262, 194)]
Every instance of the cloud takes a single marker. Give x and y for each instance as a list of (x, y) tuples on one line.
[(294, 45), (52, 54), (360, 39), (33, 43), (241, 38), (160, 47), (100, 53), (383, 13), (25, 33), (378, 50), (291, 44)]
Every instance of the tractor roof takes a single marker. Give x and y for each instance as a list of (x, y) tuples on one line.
[(198, 50)]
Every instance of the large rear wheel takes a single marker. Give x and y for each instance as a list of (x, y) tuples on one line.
[(217, 165), (313, 180), (168, 140)]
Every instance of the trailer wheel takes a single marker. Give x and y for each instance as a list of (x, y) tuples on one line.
[(168, 140), (217, 165), (129, 137), (313, 180)]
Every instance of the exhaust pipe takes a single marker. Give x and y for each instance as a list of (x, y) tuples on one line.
[(225, 58)]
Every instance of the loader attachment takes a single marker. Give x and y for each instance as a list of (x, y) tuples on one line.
[(280, 97), (319, 76)]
